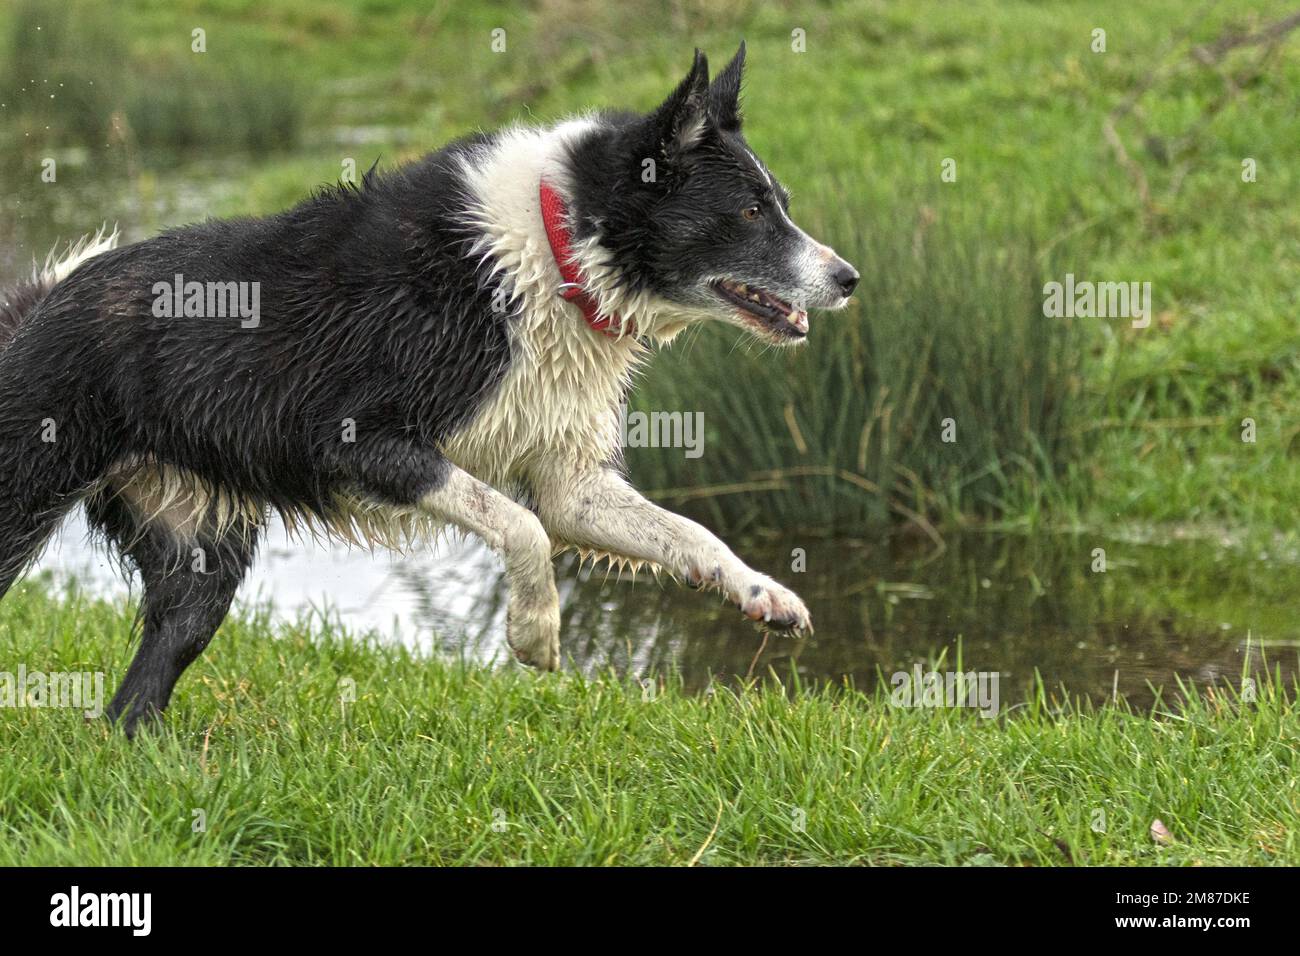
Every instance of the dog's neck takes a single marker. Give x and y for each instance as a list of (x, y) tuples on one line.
[(559, 400), (504, 178), (559, 236)]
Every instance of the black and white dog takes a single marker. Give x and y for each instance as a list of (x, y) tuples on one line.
[(426, 350)]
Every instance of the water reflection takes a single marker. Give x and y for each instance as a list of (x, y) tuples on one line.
[(1013, 605)]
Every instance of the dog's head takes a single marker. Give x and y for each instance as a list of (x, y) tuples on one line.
[(698, 220)]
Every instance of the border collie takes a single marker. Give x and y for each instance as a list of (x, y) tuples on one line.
[(446, 345)]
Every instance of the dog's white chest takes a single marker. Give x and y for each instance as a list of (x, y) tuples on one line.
[(557, 407)]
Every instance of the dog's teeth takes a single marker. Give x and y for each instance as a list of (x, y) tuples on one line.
[(800, 321)]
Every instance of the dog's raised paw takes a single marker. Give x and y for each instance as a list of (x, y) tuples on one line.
[(774, 606)]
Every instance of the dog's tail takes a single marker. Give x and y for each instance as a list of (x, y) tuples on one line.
[(18, 301)]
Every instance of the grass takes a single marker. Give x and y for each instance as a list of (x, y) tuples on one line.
[(440, 762), (73, 78)]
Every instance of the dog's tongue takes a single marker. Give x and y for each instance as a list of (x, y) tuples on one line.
[(799, 319)]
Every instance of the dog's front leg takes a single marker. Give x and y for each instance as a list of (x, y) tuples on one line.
[(599, 511), (514, 532)]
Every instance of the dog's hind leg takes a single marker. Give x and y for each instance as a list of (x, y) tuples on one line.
[(54, 443), (24, 529), (40, 481), (191, 560)]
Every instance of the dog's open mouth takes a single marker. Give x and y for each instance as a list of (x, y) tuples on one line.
[(764, 310)]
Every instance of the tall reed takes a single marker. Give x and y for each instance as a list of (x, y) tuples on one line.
[(942, 391)]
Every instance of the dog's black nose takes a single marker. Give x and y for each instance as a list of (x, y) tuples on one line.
[(846, 277)]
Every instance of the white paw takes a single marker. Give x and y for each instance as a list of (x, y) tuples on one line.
[(763, 600), (533, 633)]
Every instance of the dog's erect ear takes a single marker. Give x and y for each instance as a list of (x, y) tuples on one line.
[(724, 94), (679, 121)]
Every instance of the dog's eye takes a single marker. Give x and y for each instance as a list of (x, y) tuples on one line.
[(752, 213)]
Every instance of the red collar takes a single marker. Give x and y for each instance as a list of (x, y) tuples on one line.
[(554, 215)]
